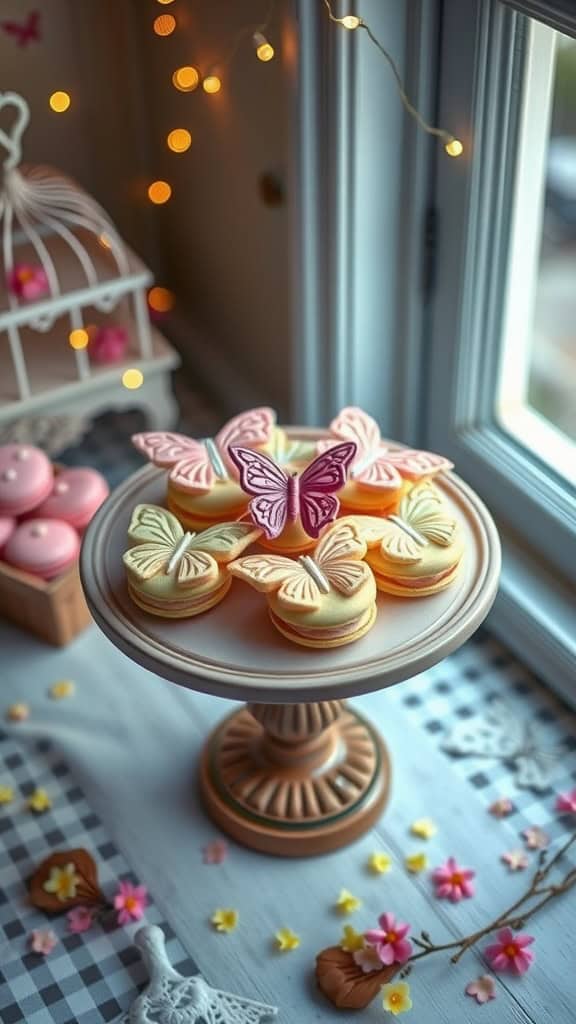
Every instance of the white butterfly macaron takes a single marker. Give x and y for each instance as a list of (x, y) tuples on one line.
[(422, 520), (161, 547), (323, 599)]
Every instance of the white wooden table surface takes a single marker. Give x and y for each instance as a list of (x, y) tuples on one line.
[(133, 740)]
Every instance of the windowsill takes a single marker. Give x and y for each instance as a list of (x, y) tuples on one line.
[(540, 437)]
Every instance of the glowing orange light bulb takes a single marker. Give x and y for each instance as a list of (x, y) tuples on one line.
[(454, 147), (212, 84), (161, 300), (264, 49), (186, 78), (159, 192), (179, 140), (59, 102), (164, 24)]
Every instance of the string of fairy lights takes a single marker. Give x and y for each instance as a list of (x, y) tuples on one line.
[(188, 78)]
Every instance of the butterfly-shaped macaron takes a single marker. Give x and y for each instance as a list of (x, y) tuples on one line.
[(323, 599), (196, 465), (175, 572), (416, 550), (377, 466), (280, 497)]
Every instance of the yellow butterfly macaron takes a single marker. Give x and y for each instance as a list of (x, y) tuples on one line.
[(176, 574), (323, 599), (416, 551)]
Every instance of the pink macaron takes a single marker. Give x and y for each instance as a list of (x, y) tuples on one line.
[(75, 496), (43, 547), (26, 478), (7, 527)]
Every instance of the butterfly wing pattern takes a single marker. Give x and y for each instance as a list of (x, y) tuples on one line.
[(187, 459), (248, 430), (377, 466), (422, 519), (319, 483), (268, 485), (156, 534), (338, 557)]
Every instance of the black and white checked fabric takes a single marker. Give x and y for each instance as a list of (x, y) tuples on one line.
[(461, 689), (90, 977)]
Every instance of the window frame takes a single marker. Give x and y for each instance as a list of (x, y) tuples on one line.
[(480, 86)]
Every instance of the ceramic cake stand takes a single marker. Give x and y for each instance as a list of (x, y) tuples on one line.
[(296, 771)]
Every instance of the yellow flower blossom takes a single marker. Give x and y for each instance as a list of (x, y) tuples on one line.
[(62, 689), (347, 903), (396, 997), (63, 882), (424, 828), (351, 940), (39, 801), (380, 863), (6, 795), (225, 919), (416, 862), (18, 712), (286, 939)]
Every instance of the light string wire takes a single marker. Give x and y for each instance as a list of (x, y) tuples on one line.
[(353, 22), (252, 29)]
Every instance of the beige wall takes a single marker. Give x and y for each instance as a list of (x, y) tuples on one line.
[(223, 251)]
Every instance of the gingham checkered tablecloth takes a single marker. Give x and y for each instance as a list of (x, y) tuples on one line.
[(90, 977)]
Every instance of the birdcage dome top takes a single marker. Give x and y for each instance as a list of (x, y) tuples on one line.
[(50, 228)]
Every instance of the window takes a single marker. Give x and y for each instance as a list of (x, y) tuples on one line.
[(502, 341)]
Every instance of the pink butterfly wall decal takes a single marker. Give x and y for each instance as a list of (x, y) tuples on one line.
[(197, 465), (279, 497), (376, 465), (24, 32)]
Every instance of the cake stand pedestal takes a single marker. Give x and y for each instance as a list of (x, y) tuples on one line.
[(296, 771)]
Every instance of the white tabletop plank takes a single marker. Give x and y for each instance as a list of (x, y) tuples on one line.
[(132, 741)]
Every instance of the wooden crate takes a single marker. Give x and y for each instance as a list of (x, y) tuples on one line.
[(55, 611)]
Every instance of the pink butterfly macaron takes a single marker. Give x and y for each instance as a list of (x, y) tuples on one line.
[(203, 486), (416, 551), (291, 508), (176, 574), (325, 599), (380, 473)]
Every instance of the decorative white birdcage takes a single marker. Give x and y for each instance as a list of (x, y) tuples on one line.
[(90, 278)]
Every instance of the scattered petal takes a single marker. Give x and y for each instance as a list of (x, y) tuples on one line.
[(39, 801), (509, 953), (379, 863), (215, 852), (424, 828), (516, 860), (347, 903), (396, 997), (416, 862), (42, 941), (130, 901), (368, 959), (390, 940), (483, 989), (6, 794), (63, 882), (501, 808), (62, 689), (453, 882), (18, 713), (351, 940), (566, 802), (225, 919), (80, 919), (536, 838), (287, 940)]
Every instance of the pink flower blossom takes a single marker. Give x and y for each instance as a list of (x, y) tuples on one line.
[(368, 959), (453, 882), (516, 860), (80, 919), (130, 902), (108, 344), (28, 281), (43, 941), (510, 953), (501, 808), (566, 802), (389, 940), (215, 852), (482, 989)]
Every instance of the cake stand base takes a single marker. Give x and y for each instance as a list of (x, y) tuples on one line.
[(295, 779)]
